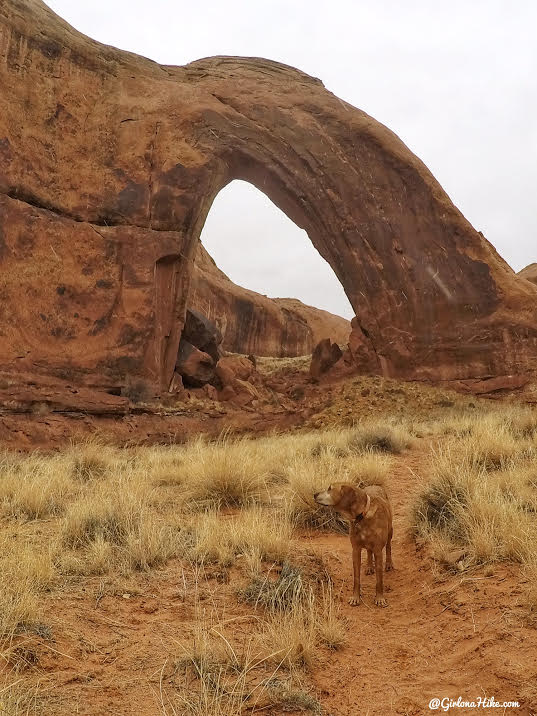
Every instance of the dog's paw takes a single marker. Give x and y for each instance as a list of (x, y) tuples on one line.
[(370, 570), (389, 567), (354, 601), (380, 602)]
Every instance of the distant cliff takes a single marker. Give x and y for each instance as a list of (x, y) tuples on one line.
[(253, 323), (529, 273)]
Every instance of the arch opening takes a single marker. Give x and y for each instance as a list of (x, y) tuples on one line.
[(259, 278)]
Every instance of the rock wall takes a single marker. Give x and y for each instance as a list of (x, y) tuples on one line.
[(109, 164), (253, 323)]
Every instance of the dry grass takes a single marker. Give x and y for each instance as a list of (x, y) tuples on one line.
[(481, 495), (226, 473), (269, 366), (237, 505), (18, 700), (292, 636), (27, 571), (232, 674), (34, 487), (380, 436), (254, 534)]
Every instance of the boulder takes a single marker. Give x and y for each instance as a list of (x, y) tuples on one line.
[(234, 375), (240, 366), (325, 355), (227, 393), (196, 367), (245, 392), (202, 333)]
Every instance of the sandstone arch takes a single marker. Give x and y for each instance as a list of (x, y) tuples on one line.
[(110, 162)]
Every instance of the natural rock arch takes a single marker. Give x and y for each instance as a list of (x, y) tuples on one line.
[(115, 167)]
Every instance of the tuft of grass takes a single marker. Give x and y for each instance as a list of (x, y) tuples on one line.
[(286, 696), (490, 513), (20, 699), (27, 572), (255, 534), (331, 630), (35, 487), (380, 437), (100, 517), (227, 473), (292, 636), (279, 594), (223, 674)]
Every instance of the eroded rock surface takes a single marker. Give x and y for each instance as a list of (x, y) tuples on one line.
[(325, 355), (253, 323), (109, 164), (529, 273)]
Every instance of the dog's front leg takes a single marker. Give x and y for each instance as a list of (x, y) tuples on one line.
[(379, 592), (354, 601), (369, 568)]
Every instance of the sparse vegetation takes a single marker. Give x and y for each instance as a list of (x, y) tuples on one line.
[(481, 493), (379, 437), (234, 510)]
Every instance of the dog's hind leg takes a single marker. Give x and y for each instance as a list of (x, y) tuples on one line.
[(379, 591), (370, 569), (354, 601), (389, 563)]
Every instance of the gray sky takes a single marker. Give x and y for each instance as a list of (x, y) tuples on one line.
[(457, 81)]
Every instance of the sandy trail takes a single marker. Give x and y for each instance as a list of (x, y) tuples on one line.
[(441, 636)]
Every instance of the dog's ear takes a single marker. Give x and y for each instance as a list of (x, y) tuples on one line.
[(348, 495), (352, 499)]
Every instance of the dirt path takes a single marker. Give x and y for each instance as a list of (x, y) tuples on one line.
[(439, 637)]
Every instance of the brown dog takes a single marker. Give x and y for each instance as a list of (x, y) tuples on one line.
[(370, 515)]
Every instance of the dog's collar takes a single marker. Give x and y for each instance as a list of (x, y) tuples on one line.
[(361, 516)]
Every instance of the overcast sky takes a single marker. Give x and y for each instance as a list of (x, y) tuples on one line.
[(457, 81)]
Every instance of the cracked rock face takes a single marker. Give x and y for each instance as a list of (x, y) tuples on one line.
[(109, 164)]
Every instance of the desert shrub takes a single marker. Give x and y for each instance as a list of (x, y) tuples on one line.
[(380, 437), (226, 473), (35, 487), (490, 513), (256, 534), (278, 595), (292, 635), (27, 572)]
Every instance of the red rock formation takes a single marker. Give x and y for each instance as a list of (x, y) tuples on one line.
[(529, 273), (109, 164), (252, 323), (325, 355), (194, 366)]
